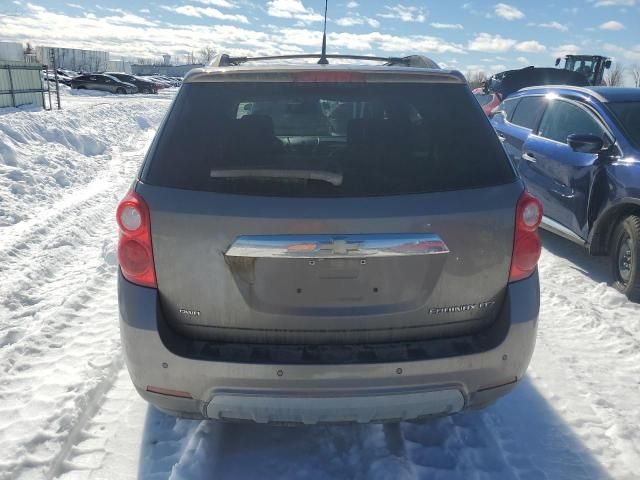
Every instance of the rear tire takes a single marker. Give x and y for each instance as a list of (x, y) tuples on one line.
[(625, 257), (121, 91)]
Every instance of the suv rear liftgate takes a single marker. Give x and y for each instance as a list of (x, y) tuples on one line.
[(332, 207)]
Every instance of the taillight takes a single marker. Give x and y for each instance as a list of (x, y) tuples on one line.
[(135, 254), (526, 242)]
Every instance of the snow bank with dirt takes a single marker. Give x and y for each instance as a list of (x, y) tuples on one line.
[(68, 409)]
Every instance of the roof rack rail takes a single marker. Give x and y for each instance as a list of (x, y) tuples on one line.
[(417, 61)]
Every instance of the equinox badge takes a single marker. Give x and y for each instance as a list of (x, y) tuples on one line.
[(461, 308)]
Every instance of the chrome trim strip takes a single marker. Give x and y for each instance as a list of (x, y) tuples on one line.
[(337, 246), (559, 229)]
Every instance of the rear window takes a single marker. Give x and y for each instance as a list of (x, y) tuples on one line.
[(326, 140)]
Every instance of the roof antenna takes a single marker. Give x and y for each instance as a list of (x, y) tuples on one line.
[(323, 57)]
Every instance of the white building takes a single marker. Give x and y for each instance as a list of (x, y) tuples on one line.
[(75, 59), (12, 51), (119, 66)]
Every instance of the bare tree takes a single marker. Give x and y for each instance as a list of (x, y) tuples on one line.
[(476, 79), (635, 74), (614, 77), (206, 54)]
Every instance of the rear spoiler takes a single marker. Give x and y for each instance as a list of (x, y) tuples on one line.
[(416, 61)]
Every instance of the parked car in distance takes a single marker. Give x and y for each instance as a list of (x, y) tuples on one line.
[(162, 82), (67, 73), (578, 150), (488, 101), (103, 82), (143, 85), (50, 76), (371, 269), (172, 81)]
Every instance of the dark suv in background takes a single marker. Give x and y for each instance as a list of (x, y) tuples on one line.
[(578, 151), (315, 243)]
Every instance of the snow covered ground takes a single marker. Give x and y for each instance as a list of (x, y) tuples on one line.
[(68, 410)]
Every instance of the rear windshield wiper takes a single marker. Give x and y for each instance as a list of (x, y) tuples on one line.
[(333, 178)]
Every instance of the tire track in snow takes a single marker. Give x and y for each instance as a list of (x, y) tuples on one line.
[(40, 263), (94, 403), (16, 236), (59, 371), (462, 446), (35, 270)]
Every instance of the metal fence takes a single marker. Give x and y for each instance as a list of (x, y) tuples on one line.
[(21, 84)]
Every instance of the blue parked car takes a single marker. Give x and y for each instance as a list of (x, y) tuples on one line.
[(578, 151)]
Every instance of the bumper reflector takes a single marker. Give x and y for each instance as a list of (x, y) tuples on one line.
[(168, 392), (503, 383)]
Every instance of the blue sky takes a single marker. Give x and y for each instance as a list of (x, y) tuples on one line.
[(475, 35)]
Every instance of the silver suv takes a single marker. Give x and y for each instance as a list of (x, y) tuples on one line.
[(326, 243)]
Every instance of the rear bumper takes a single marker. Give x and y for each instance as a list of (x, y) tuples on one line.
[(309, 393)]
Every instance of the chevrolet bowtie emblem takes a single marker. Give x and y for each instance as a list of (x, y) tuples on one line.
[(340, 247)]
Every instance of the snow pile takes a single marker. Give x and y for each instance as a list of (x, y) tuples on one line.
[(45, 154)]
